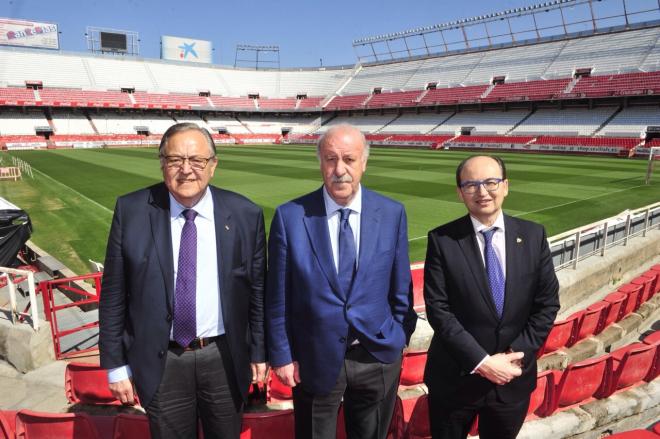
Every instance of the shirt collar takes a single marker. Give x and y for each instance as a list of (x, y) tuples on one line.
[(478, 226), (331, 206), (204, 206)]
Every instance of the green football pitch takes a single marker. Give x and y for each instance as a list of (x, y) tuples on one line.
[(71, 197)]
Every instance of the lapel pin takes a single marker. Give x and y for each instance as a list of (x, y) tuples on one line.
[(226, 227), (518, 239)]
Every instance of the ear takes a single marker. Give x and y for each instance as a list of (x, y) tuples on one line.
[(505, 187), (459, 192)]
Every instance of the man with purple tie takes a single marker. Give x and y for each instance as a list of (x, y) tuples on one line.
[(181, 312), (491, 298)]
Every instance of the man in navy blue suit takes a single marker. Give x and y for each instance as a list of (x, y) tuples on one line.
[(339, 296)]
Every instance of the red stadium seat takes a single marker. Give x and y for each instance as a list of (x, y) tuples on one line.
[(652, 338), (418, 289), (561, 335), (634, 294), (655, 281), (396, 424), (656, 428), (38, 425), (541, 399), (412, 368), (592, 322), (7, 424), (277, 389), (618, 302), (646, 284), (635, 434), (418, 427), (277, 424), (581, 381), (631, 364), (87, 384), (130, 426)]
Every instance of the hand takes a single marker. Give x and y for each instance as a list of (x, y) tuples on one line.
[(123, 391), (518, 363), (288, 374), (258, 372), (501, 368)]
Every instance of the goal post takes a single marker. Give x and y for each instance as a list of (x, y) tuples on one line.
[(654, 155)]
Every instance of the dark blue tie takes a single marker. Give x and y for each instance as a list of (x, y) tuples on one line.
[(185, 302), (494, 270), (347, 252)]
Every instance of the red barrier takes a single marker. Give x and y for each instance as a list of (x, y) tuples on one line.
[(67, 285)]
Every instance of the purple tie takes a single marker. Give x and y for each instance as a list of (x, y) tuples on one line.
[(185, 311), (347, 252), (494, 270)]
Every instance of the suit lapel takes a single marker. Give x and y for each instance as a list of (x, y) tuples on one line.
[(316, 224), (161, 235), (513, 242), (225, 233), (468, 243), (369, 232)]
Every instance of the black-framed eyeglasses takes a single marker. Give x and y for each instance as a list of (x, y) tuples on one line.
[(176, 161), (472, 186)]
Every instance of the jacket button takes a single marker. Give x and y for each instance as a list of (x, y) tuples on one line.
[(161, 354), (348, 307), (342, 339)]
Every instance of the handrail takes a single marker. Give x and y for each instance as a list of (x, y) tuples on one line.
[(11, 283)]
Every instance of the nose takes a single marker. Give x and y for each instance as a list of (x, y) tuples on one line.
[(481, 190), (186, 168), (340, 169)]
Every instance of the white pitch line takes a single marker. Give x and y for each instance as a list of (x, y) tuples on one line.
[(74, 191), (552, 207)]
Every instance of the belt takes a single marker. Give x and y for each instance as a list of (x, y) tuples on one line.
[(197, 343)]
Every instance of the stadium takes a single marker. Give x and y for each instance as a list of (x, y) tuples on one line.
[(570, 101)]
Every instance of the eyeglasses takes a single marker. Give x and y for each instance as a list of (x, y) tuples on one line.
[(176, 161), (472, 186)]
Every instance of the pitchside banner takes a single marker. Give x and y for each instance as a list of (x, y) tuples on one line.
[(186, 49), (24, 33)]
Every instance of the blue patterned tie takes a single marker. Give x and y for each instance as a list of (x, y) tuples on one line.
[(347, 251), (185, 309), (494, 270)]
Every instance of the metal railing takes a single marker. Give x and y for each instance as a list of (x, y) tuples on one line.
[(12, 277), (570, 247)]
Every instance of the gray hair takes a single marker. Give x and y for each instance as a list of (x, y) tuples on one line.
[(341, 127), (185, 126)]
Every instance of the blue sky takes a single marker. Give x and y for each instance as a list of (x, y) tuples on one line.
[(305, 30)]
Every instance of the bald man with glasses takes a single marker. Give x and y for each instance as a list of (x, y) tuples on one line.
[(491, 298)]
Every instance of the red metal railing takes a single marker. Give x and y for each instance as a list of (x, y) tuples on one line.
[(68, 285)]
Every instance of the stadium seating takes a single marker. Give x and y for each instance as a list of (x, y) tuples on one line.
[(447, 96), (277, 424), (590, 320), (412, 368), (282, 103), (130, 426), (618, 303), (492, 139), (346, 102), (647, 284), (541, 399), (418, 426), (7, 424), (561, 335), (581, 381), (16, 96), (418, 289), (37, 425), (310, 102), (87, 384), (393, 99), (635, 434), (276, 389), (569, 121), (631, 364), (527, 91), (634, 293)]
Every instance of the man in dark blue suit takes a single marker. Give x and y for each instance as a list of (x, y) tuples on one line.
[(339, 297), (181, 313)]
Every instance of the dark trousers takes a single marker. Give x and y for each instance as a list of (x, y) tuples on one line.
[(497, 420), (369, 391), (196, 384)]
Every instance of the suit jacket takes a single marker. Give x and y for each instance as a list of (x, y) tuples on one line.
[(308, 314), (138, 285), (461, 311)]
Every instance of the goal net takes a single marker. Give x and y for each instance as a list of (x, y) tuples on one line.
[(654, 156)]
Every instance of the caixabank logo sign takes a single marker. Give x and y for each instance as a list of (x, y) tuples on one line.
[(186, 49)]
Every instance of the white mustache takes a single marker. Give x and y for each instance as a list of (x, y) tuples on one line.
[(343, 179)]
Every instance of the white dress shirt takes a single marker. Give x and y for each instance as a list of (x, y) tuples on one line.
[(499, 245), (332, 212), (209, 308)]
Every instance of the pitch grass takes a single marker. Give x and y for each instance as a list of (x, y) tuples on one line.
[(71, 197)]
